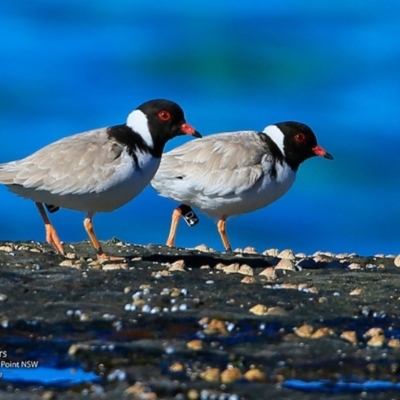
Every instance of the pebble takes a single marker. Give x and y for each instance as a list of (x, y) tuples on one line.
[(216, 327), (350, 336), (231, 374), (322, 332), (259, 309), (176, 367), (373, 332), (7, 249), (376, 341), (228, 269), (354, 266), (304, 331), (209, 282), (250, 250), (276, 311), (211, 375), (286, 264), (271, 252), (248, 279), (3, 297), (255, 375), (287, 254), (195, 344), (114, 266), (268, 272), (394, 343), (177, 266), (203, 247), (355, 292), (246, 270), (397, 261)]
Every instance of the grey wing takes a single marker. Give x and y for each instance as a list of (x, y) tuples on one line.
[(72, 165), (216, 165)]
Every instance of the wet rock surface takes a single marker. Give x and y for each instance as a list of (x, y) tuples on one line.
[(179, 323)]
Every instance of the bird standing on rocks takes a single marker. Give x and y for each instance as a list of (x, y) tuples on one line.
[(233, 173), (98, 170)]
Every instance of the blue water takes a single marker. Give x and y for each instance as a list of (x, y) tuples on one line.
[(47, 376), (71, 66)]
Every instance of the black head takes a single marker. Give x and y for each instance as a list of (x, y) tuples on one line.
[(299, 143), (165, 120)]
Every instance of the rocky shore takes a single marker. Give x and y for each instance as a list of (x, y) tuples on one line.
[(197, 324)]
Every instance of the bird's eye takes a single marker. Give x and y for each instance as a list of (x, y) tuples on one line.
[(164, 115), (300, 137)]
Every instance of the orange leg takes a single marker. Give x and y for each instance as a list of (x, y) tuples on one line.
[(51, 234), (222, 232), (101, 255), (174, 225)]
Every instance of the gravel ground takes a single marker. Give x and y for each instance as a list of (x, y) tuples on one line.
[(198, 324)]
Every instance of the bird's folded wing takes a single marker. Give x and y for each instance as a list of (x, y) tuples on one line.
[(216, 165), (73, 165)]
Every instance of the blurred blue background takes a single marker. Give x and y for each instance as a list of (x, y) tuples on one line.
[(67, 67)]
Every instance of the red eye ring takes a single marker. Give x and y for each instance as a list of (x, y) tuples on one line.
[(300, 137), (164, 115)]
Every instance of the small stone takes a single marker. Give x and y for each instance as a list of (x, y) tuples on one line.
[(354, 266), (269, 272), (250, 250), (286, 264), (246, 270), (66, 263), (355, 292), (71, 256), (301, 255), (276, 311), (206, 266), (74, 348), (230, 269), (195, 344), (271, 252), (397, 261), (350, 336), (203, 247), (322, 332), (376, 341), (48, 395), (304, 331), (394, 343), (230, 375), (259, 309), (211, 375), (175, 292), (323, 299), (7, 249), (255, 375), (114, 266), (286, 254), (193, 394), (177, 266), (137, 390), (216, 327), (248, 279), (3, 297), (321, 259), (176, 367), (373, 332), (289, 286)]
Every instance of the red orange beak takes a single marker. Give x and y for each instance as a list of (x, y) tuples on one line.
[(189, 130), (319, 151)]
